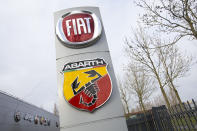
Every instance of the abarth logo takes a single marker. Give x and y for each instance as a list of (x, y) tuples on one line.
[(78, 29), (87, 84)]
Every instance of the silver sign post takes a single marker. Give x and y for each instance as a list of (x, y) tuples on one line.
[(89, 99)]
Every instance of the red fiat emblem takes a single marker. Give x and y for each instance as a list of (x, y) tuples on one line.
[(78, 29)]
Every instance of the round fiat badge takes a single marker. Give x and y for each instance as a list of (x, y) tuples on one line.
[(78, 29)]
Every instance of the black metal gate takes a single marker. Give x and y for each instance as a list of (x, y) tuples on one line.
[(177, 118), (141, 122), (162, 118)]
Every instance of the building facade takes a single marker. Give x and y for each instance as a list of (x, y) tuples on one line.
[(17, 115)]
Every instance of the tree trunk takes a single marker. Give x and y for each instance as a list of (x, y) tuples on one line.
[(159, 81), (163, 92), (127, 106), (144, 112), (176, 93)]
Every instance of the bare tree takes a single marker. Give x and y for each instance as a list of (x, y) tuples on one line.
[(55, 110), (158, 99), (179, 16), (175, 65), (173, 97), (142, 50), (139, 83), (125, 97), (165, 63)]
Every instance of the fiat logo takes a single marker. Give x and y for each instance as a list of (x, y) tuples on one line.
[(78, 29)]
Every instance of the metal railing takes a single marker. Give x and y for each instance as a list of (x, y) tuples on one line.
[(178, 118)]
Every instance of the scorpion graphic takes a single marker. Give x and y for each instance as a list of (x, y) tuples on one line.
[(89, 88)]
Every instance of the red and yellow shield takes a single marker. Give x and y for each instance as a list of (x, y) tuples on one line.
[(87, 84)]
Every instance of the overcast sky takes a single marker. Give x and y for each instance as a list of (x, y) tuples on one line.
[(27, 53)]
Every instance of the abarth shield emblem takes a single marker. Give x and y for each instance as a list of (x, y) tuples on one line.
[(87, 84)]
